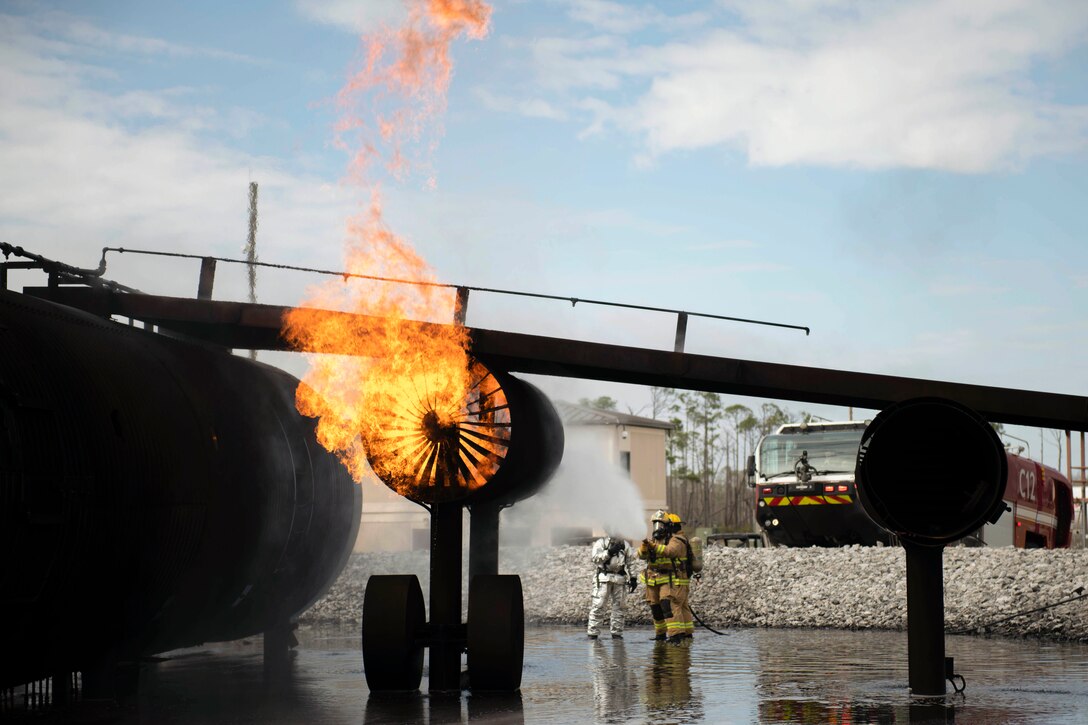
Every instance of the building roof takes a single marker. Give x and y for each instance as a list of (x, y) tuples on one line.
[(572, 414)]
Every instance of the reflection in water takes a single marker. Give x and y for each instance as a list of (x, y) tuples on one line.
[(814, 711), (615, 689), (751, 675), (668, 694), (498, 708), (828, 676), (393, 707)]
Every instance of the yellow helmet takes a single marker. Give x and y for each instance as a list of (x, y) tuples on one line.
[(662, 524), (674, 519)]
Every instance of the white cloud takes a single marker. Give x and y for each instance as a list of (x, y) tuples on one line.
[(612, 17), (84, 169), (938, 84), (354, 16), (530, 107), (66, 34), (578, 63), (624, 18)]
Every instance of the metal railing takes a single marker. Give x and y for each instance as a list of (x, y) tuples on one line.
[(461, 290)]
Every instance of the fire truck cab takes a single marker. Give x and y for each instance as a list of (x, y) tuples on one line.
[(803, 475)]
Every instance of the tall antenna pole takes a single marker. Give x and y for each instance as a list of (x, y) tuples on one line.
[(251, 250)]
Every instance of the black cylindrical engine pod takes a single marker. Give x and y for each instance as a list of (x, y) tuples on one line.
[(931, 470), (155, 493), (536, 444), (502, 448)]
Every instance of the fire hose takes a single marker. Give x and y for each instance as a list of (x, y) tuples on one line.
[(704, 624), (696, 616)]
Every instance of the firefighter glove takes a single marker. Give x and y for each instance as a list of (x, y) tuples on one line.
[(632, 584)]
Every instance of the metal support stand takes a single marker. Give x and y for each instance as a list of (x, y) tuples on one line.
[(445, 596), (681, 331), (925, 619), (460, 309), (207, 278), (62, 688), (483, 551)]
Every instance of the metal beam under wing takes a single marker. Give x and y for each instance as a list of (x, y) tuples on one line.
[(254, 326)]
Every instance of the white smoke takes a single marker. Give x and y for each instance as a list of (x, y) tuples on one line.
[(589, 490)]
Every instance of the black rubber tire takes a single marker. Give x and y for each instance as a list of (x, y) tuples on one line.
[(496, 632), (393, 617)]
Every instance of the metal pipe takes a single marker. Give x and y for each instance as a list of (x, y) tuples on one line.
[(445, 595), (1068, 455), (207, 278), (483, 541), (460, 309), (423, 283), (925, 619), (681, 331)]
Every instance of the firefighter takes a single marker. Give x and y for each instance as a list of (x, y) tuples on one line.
[(614, 559), (803, 469), (667, 578)]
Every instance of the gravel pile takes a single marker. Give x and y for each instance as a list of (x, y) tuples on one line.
[(847, 588)]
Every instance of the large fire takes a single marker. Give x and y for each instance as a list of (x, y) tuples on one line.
[(408, 399)]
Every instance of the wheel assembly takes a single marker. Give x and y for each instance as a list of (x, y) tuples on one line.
[(496, 632), (497, 445), (393, 626)]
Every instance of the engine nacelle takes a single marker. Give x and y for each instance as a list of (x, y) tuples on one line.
[(154, 493), (931, 471), (502, 447)]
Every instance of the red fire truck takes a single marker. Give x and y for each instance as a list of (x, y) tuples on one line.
[(1040, 499), (803, 475)]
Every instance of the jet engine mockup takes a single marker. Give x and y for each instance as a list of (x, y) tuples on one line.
[(154, 494)]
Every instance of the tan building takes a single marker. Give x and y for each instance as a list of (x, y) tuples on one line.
[(635, 443), (632, 445)]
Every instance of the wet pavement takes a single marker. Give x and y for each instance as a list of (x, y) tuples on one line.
[(745, 676)]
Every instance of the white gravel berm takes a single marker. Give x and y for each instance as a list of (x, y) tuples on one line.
[(846, 588)]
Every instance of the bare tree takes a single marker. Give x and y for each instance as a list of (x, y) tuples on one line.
[(661, 401)]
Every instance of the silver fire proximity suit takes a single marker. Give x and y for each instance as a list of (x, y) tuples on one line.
[(613, 560)]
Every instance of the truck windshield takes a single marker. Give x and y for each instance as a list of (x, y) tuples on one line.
[(829, 451)]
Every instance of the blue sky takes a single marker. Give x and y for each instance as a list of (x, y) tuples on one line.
[(905, 178)]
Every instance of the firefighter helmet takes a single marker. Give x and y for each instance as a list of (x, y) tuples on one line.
[(660, 523), (673, 522)]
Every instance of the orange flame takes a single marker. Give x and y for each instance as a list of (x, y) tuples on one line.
[(406, 397), (419, 72)]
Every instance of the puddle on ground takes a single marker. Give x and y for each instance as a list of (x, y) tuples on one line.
[(745, 676)]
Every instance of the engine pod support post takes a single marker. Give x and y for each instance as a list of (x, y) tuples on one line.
[(913, 454), (445, 657)]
